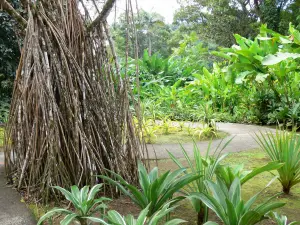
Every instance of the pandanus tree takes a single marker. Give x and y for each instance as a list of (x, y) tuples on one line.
[(69, 118)]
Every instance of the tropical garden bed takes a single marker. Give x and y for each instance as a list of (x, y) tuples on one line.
[(250, 159), (79, 115), (168, 132)]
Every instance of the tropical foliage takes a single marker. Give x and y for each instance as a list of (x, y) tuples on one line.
[(156, 190), (231, 208), (114, 218), (206, 167), (80, 109), (85, 203), (257, 81), (9, 59), (283, 147), (228, 174)]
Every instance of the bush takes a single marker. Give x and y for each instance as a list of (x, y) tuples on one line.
[(283, 147)]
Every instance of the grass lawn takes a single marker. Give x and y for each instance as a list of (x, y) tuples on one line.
[(251, 159)]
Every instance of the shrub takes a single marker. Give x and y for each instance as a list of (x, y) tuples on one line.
[(114, 218), (227, 174), (205, 167), (283, 147), (230, 207), (84, 202), (156, 190)]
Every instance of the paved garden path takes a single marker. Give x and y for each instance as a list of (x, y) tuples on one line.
[(242, 140), (12, 210)]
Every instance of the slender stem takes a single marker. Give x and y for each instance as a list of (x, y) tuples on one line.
[(5, 6), (103, 15)]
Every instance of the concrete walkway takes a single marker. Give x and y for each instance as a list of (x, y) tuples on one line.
[(12, 210), (242, 140)]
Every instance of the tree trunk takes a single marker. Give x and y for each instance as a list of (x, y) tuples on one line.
[(149, 45), (70, 117)]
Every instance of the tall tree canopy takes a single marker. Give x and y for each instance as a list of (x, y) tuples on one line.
[(152, 33), (218, 20)]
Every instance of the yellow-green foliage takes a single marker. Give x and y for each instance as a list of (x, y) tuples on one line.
[(167, 131), (1, 136)]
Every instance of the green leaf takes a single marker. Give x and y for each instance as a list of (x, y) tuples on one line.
[(67, 194), (175, 222), (95, 189), (53, 212), (242, 76), (261, 77), (221, 54), (270, 166), (68, 219), (97, 220), (84, 194), (213, 204), (270, 60), (115, 217), (250, 218), (232, 216), (143, 215)]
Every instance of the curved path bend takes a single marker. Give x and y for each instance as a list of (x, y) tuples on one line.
[(242, 134)]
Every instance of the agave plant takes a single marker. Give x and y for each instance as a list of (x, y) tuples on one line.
[(84, 202), (281, 220), (283, 147), (156, 190), (205, 167), (228, 173), (231, 208), (114, 218)]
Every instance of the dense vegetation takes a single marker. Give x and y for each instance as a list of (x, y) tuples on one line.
[(185, 71), (254, 81), (220, 60), (9, 59), (207, 183)]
